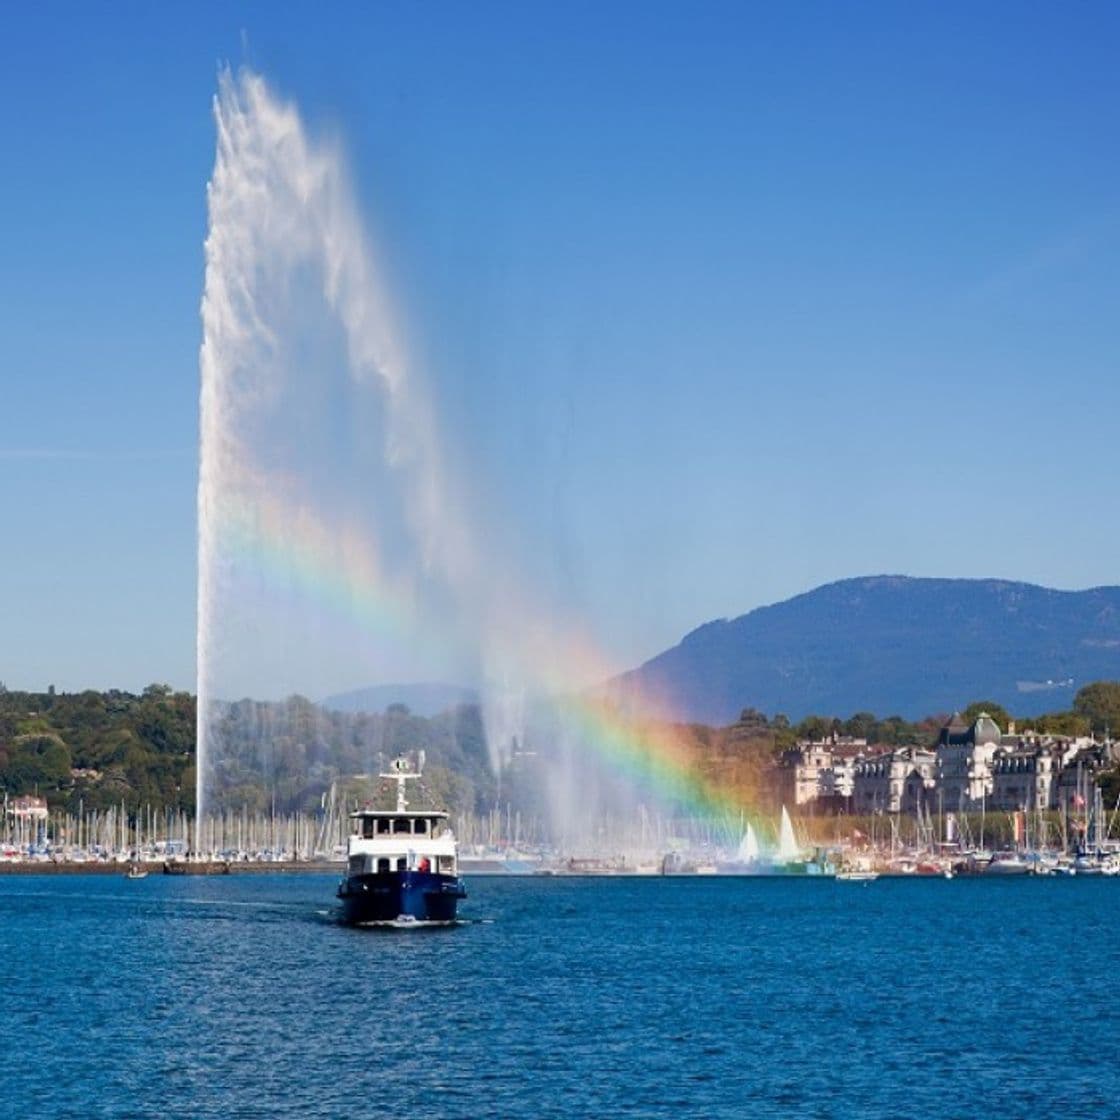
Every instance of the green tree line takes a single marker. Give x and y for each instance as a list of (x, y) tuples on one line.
[(98, 749)]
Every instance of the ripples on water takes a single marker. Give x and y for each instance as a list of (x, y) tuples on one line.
[(241, 996)]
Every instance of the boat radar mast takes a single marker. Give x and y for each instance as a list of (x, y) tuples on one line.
[(402, 773)]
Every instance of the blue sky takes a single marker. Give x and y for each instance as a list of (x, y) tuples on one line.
[(721, 301)]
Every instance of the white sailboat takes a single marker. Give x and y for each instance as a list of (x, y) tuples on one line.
[(748, 847), (789, 851), (747, 858), (793, 858)]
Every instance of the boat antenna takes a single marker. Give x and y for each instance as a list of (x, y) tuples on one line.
[(402, 773)]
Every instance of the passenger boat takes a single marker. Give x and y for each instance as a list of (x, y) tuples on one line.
[(402, 864)]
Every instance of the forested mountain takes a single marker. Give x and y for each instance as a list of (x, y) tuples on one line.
[(889, 644)]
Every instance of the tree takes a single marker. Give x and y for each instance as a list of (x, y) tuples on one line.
[(1109, 783), (861, 725), (814, 728), (37, 762), (754, 719), (1061, 723), (784, 735), (1099, 702), (896, 732)]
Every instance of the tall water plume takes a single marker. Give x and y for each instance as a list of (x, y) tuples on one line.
[(335, 544), (319, 460)]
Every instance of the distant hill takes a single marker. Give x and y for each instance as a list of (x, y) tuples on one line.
[(891, 645), (424, 699)]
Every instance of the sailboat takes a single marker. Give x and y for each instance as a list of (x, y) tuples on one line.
[(747, 859), (788, 849), (792, 858), (748, 846)]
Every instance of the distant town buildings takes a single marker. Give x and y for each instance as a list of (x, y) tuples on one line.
[(973, 766)]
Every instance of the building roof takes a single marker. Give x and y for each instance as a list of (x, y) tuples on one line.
[(983, 731)]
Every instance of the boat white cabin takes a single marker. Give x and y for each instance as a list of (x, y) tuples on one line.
[(401, 840)]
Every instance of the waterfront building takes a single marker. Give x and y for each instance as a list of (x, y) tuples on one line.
[(819, 769), (801, 773), (1077, 782), (897, 781), (838, 781), (964, 761), (1027, 771), (1023, 777)]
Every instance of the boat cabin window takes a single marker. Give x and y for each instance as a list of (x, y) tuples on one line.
[(367, 828), (402, 863), (383, 825), (447, 865), (356, 865), (383, 865), (420, 826), (400, 824)]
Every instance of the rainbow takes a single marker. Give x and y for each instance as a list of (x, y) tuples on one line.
[(655, 758), (339, 567), (289, 546)]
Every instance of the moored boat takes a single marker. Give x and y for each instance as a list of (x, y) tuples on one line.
[(1008, 863), (402, 864), (195, 867), (856, 875)]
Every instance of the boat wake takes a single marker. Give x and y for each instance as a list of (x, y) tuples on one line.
[(404, 922), (410, 923)]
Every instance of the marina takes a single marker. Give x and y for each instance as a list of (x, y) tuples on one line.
[(1083, 845)]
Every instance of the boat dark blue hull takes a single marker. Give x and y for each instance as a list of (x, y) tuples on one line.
[(387, 896)]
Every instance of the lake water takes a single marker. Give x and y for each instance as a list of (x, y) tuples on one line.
[(240, 996)]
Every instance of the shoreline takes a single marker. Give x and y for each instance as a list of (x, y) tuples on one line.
[(48, 867), (214, 870)]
